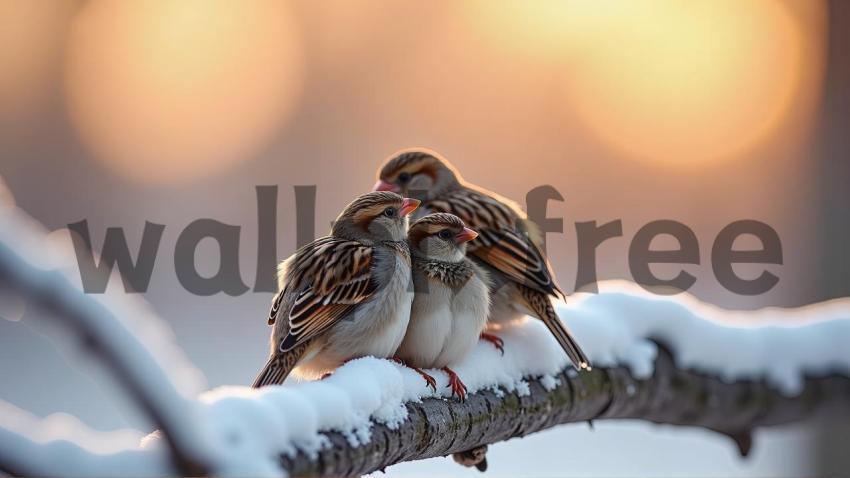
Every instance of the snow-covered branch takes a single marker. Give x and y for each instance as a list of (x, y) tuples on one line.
[(120, 333), (725, 371), (670, 396)]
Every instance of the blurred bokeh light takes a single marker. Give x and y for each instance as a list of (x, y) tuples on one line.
[(671, 81), (31, 34), (165, 91)]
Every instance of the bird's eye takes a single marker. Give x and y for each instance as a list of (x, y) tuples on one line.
[(404, 177), (445, 234), (390, 212)]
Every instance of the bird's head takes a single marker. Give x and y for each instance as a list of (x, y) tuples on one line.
[(375, 216), (419, 173), (440, 236)]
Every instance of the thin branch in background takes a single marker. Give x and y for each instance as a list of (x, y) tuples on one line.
[(94, 322)]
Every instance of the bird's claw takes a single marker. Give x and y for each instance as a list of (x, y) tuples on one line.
[(495, 340), (430, 381), (457, 386)]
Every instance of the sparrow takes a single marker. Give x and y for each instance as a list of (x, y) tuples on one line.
[(508, 247), (451, 298), (345, 295)]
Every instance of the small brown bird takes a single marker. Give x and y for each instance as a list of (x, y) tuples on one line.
[(345, 295), (508, 245), (451, 300)]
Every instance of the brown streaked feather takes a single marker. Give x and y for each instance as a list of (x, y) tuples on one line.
[(314, 317), (276, 301), (437, 221), (363, 209), (511, 256), (504, 241), (334, 275), (415, 161), (432, 224), (279, 366), (325, 263), (541, 305)]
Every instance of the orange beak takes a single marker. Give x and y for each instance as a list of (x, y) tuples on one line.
[(465, 235), (385, 186), (408, 206)]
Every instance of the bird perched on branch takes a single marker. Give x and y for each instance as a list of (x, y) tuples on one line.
[(451, 300), (345, 295), (508, 246)]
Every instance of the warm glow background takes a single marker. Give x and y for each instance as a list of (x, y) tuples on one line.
[(705, 111)]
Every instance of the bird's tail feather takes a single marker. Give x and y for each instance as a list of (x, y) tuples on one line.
[(541, 305), (279, 366)]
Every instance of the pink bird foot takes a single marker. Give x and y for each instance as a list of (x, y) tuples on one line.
[(495, 340), (429, 380), (458, 388)]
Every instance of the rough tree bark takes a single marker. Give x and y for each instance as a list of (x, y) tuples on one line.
[(438, 427)]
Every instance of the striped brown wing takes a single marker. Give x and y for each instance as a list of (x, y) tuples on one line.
[(503, 241), (333, 276), (541, 305)]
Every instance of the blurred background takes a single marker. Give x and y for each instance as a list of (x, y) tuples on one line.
[(705, 112)]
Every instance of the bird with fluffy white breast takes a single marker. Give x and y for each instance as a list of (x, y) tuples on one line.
[(508, 246), (451, 300), (345, 295)]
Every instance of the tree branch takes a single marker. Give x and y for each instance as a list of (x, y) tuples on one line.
[(97, 325), (673, 396)]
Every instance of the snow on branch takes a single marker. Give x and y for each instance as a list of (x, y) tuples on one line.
[(670, 396), (722, 370), (31, 265), (661, 359)]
